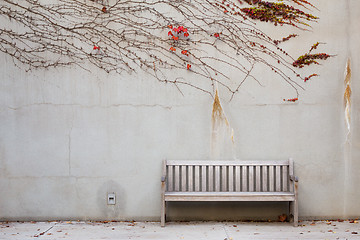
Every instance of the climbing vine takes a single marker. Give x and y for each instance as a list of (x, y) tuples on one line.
[(210, 39)]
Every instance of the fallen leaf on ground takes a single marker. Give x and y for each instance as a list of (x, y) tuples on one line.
[(282, 218)]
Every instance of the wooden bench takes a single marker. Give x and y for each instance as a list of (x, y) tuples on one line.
[(229, 181)]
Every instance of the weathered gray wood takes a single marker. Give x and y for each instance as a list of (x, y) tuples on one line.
[(163, 189), (203, 179), (228, 163), (229, 196), (291, 172), (258, 179), (237, 179), (231, 178), (217, 178), (224, 179), (183, 178), (285, 179), (211, 179), (229, 181), (277, 178), (170, 179), (197, 179), (244, 179), (251, 178), (296, 208), (265, 178), (291, 211), (190, 179), (271, 179), (177, 179)]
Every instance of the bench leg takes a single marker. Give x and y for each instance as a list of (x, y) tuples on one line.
[(296, 213), (162, 220), (291, 212)]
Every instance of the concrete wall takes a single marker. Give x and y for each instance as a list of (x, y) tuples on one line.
[(67, 137)]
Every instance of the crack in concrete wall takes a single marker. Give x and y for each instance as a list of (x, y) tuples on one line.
[(94, 106), (69, 136)]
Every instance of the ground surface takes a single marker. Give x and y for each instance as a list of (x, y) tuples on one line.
[(179, 230)]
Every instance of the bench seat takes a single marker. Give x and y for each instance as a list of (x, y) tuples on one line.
[(229, 196)]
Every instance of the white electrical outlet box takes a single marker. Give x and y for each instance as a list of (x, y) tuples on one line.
[(111, 199)]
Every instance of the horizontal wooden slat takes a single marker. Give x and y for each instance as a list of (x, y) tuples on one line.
[(229, 196), (228, 162)]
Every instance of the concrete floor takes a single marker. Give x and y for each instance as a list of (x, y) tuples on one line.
[(179, 230)]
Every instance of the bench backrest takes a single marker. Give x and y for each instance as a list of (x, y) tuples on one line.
[(228, 176)]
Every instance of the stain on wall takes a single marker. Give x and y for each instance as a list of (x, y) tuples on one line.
[(347, 98), (222, 135)]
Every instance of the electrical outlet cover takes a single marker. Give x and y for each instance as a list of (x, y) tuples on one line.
[(111, 199)]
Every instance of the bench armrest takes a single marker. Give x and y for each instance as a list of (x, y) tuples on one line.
[(163, 178), (294, 178)]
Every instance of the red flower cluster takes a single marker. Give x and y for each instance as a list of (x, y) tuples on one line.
[(175, 32), (291, 100), (96, 48), (184, 52), (217, 35)]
